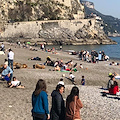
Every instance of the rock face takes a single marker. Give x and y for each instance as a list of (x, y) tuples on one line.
[(59, 22), (29, 10), (111, 24)]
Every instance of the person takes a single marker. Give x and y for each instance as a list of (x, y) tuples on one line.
[(72, 77), (114, 88), (40, 109), (81, 66), (58, 107), (35, 58), (19, 43), (83, 81), (15, 83), (100, 56), (73, 105), (10, 58), (61, 81), (110, 82), (7, 73), (2, 47)]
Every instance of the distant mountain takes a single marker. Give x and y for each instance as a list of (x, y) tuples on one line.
[(110, 23)]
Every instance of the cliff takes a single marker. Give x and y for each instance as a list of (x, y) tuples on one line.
[(50, 21), (111, 25)]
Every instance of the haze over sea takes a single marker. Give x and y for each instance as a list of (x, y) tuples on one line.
[(113, 51)]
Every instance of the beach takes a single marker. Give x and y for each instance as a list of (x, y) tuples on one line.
[(16, 104)]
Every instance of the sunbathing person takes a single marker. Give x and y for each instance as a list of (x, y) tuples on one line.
[(35, 58), (15, 83), (57, 68), (49, 62)]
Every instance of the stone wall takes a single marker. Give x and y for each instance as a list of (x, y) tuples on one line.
[(83, 31), (31, 29)]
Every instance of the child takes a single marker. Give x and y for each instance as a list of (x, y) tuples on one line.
[(61, 82), (81, 66), (72, 77), (83, 81), (15, 83)]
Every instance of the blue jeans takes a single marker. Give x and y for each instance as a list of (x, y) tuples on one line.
[(10, 63)]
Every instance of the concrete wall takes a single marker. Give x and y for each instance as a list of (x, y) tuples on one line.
[(31, 29)]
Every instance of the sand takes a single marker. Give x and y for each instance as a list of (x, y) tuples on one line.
[(15, 103)]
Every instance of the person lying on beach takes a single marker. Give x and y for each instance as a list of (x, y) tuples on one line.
[(57, 68), (35, 58), (15, 83), (114, 64), (49, 62)]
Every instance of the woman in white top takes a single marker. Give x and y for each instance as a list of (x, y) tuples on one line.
[(16, 83)]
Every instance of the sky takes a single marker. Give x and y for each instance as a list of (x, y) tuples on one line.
[(107, 7)]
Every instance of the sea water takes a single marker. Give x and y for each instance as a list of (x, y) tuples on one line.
[(113, 51)]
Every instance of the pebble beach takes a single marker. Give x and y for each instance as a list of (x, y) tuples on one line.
[(15, 104)]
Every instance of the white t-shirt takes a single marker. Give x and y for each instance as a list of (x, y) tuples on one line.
[(72, 76), (61, 82), (15, 83), (2, 46), (11, 55)]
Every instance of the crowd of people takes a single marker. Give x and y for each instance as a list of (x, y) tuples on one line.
[(40, 107), (93, 57), (59, 111), (7, 70)]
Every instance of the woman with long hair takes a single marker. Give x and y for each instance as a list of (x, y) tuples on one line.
[(114, 89), (73, 105), (58, 108), (40, 109)]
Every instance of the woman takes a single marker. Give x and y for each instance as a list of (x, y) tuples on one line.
[(114, 88), (73, 105), (40, 109), (58, 107)]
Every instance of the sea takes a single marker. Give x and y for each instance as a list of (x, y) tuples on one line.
[(113, 51)]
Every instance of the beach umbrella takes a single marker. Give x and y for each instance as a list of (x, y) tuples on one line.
[(28, 42)]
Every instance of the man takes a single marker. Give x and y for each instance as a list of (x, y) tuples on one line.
[(7, 72), (58, 106), (10, 58), (2, 47)]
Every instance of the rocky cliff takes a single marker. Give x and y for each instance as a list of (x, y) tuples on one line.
[(49, 21), (110, 23)]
